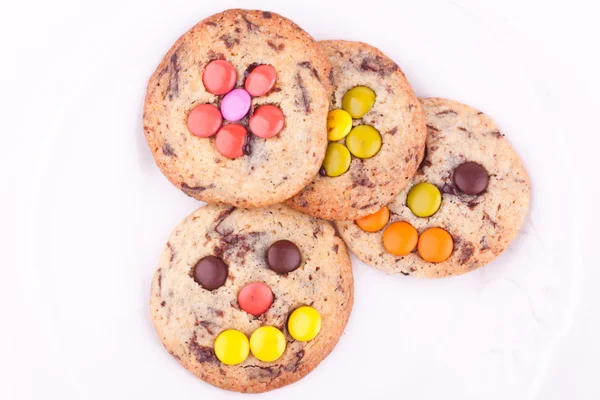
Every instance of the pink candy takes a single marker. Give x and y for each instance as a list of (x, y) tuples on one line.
[(235, 105)]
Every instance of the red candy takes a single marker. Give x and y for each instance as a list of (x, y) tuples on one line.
[(204, 120), (219, 77), (266, 122), (230, 140), (261, 80), (255, 298)]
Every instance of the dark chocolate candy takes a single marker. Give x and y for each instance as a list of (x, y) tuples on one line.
[(210, 272), (283, 257), (471, 178)]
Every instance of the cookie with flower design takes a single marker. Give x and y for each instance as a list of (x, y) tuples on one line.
[(236, 111), (376, 131), (250, 300)]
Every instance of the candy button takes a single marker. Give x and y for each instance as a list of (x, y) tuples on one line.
[(261, 80), (424, 199), (231, 347), (266, 122), (283, 257), (400, 238), (435, 245), (204, 120), (235, 105), (337, 159), (210, 272), (255, 298), (374, 222), (230, 140), (304, 323), (358, 101), (471, 178), (267, 343), (219, 77), (363, 141), (339, 123)]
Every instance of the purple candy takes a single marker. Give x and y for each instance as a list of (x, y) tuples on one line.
[(235, 105)]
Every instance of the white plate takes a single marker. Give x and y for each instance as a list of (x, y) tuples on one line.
[(103, 211)]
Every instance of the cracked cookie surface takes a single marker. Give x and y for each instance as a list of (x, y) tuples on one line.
[(271, 170), (188, 318), (369, 184), (483, 225)]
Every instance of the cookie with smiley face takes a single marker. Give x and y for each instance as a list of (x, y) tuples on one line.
[(250, 300), (465, 205), (376, 131), (236, 111)]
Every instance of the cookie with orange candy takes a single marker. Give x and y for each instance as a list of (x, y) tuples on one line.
[(464, 206), (250, 300)]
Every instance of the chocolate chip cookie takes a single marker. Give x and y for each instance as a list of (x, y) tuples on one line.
[(376, 131), (464, 206), (236, 111), (250, 300)]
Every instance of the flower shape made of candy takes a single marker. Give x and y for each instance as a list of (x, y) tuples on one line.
[(345, 141), (267, 343), (206, 120), (424, 199)]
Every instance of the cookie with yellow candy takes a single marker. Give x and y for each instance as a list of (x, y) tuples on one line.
[(251, 299), (376, 132), (464, 206)]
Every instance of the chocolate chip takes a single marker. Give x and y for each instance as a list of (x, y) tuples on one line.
[(283, 257), (267, 14), (247, 146), (276, 47), (471, 178), (496, 134), (249, 24), (170, 246), (446, 112), (466, 252), (229, 41), (304, 98), (168, 150), (393, 131), (173, 69), (201, 353), (210, 272), (194, 190), (335, 248), (323, 171), (308, 65)]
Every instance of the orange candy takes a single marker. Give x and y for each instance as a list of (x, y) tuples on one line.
[(219, 77), (266, 122), (435, 245), (204, 120), (230, 140), (261, 80), (400, 238), (374, 222)]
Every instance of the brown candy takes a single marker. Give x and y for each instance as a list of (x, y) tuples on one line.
[(283, 257), (210, 272), (471, 178)]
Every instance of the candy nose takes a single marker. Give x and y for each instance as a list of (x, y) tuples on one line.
[(255, 298)]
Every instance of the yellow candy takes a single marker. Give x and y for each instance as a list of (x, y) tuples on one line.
[(424, 199), (339, 123), (231, 347), (363, 141), (358, 101), (304, 323), (267, 343), (337, 159)]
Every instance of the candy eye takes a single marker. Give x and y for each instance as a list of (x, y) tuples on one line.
[(210, 272), (283, 257)]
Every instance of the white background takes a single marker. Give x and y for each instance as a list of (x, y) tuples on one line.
[(557, 43)]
